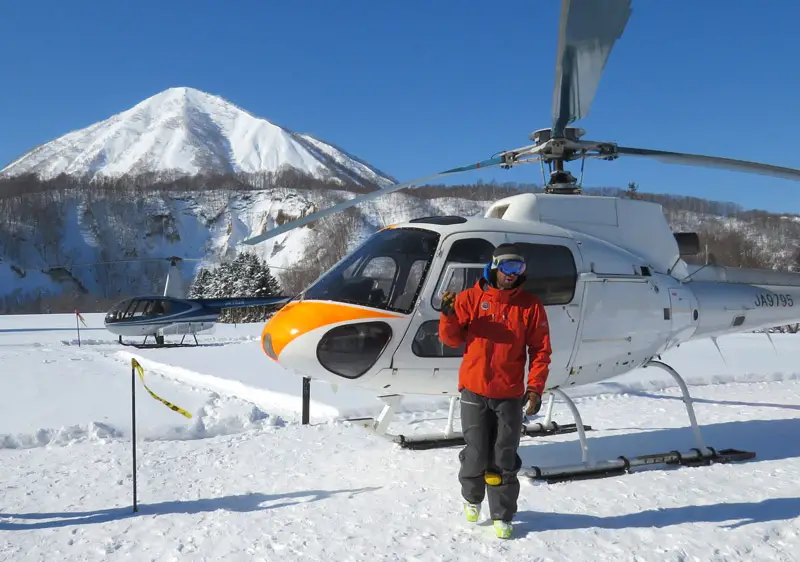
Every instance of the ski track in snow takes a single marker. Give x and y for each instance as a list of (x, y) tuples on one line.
[(243, 480)]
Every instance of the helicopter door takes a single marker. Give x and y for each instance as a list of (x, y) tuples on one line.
[(422, 362), (624, 321), (552, 275)]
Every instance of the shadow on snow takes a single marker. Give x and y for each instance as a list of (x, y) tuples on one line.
[(770, 439), (241, 503), (774, 439), (773, 509)]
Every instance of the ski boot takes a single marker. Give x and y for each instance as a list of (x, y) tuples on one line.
[(473, 511), (502, 529)]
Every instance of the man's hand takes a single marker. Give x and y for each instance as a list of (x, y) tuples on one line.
[(534, 401), (448, 302)]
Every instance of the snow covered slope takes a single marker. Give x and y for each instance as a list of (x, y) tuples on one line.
[(188, 131), (82, 227), (243, 479)]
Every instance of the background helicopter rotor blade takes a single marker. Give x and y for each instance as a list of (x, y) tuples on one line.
[(125, 260), (587, 32), (712, 162), (490, 163)]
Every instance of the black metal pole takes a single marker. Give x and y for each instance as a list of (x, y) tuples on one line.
[(133, 430), (78, 326), (306, 398)]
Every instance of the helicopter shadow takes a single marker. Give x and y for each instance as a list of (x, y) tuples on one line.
[(240, 503), (770, 439), (774, 439), (644, 394), (736, 514)]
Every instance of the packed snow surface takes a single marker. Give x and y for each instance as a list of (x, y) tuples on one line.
[(243, 479)]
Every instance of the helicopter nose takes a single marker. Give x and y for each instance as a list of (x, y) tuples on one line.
[(321, 338)]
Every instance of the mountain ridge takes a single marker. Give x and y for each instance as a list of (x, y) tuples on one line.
[(178, 189), (186, 131)]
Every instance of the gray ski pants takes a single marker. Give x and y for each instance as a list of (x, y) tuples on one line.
[(492, 430)]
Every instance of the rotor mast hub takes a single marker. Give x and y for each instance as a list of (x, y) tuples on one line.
[(557, 150)]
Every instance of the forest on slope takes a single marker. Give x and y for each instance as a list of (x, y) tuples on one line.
[(40, 218)]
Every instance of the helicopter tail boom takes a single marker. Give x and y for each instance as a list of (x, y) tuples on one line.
[(244, 301), (735, 300)]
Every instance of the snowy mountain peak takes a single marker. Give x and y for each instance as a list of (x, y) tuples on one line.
[(188, 131)]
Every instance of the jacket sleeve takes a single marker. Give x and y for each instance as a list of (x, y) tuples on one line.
[(538, 339), (453, 329)]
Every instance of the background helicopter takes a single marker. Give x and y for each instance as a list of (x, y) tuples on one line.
[(610, 272), (171, 313)]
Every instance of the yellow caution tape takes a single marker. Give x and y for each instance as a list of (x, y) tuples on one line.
[(135, 364)]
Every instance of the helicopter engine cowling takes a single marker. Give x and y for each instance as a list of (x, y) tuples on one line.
[(333, 341)]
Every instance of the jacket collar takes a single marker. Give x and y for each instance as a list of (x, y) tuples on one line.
[(495, 294)]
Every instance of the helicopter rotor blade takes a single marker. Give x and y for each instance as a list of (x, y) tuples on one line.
[(490, 163), (587, 32), (712, 162), (123, 260)]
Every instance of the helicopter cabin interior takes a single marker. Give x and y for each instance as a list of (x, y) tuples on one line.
[(144, 307)]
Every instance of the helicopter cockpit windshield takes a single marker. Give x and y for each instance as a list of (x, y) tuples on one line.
[(386, 272), (135, 308)]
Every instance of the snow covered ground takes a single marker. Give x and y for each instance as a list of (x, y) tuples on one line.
[(244, 480)]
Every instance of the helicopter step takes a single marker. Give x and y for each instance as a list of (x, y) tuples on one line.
[(420, 442), (450, 437), (701, 455)]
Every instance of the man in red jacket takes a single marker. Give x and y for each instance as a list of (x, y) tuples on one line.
[(500, 324)]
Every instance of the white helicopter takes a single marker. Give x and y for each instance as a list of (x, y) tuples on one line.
[(610, 272)]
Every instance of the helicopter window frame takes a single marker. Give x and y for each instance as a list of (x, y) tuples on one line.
[(353, 266), (427, 343), (458, 255), (555, 287), (377, 276)]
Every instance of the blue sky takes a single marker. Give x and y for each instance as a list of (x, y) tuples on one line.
[(415, 87)]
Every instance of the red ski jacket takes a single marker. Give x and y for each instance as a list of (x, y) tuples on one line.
[(498, 327)]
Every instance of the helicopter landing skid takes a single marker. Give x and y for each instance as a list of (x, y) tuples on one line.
[(701, 455), (450, 437), (423, 442), (159, 343)]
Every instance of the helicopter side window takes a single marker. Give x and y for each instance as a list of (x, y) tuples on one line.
[(137, 310), (551, 274), (157, 308), (117, 312), (467, 250), (426, 342)]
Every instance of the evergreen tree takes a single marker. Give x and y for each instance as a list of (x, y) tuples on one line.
[(246, 275), (201, 284)]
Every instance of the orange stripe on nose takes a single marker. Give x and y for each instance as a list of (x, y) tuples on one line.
[(300, 317)]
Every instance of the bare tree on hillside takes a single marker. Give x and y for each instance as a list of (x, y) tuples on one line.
[(331, 239)]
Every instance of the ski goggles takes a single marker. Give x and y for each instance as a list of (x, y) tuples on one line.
[(511, 267)]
